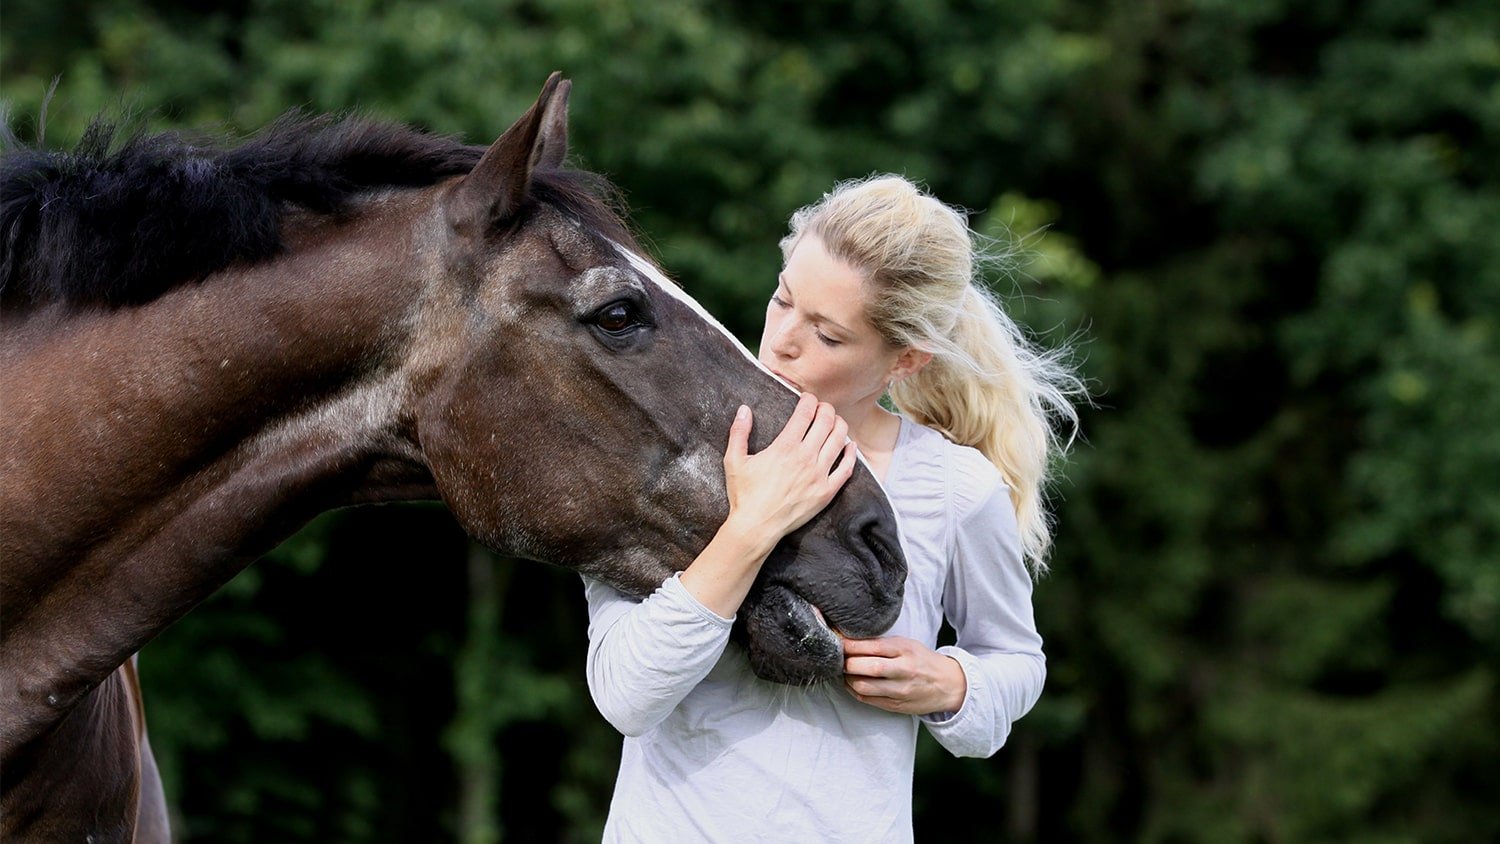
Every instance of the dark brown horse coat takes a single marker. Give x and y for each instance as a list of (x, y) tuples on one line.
[(201, 349)]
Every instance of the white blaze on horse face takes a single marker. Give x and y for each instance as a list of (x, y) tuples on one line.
[(645, 268)]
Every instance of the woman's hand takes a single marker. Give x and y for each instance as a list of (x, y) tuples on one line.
[(771, 494), (779, 489), (903, 675)]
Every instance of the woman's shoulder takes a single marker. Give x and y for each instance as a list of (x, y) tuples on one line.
[(970, 478)]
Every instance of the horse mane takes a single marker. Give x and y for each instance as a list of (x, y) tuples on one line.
[(119, 221)]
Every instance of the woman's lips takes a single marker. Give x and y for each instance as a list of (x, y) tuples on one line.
[(789, 381)]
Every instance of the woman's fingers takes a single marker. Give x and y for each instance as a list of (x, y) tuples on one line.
[(883, 646), (833, 445), (872, 666), (802, 416), (820, 428), (845, 469), (788, 482), (875, 688), (739, 437)]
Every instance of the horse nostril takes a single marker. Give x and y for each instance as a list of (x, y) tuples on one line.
[(880, 537)]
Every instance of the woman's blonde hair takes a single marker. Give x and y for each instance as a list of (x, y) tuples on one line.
[(987, 386)]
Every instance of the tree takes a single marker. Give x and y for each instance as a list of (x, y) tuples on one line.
[(1275, 608)]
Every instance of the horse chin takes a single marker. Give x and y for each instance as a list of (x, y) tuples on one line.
[(789, 642)]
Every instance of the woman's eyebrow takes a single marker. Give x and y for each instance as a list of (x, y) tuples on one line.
[(815, 317)]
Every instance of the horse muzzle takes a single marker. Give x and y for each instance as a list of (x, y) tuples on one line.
[(812, 592)]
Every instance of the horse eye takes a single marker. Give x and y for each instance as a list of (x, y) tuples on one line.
[(617, 317)]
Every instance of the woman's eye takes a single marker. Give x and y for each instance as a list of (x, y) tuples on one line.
[(828, 341), (777, 301)]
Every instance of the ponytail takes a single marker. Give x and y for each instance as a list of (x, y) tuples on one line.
[(987, 387)]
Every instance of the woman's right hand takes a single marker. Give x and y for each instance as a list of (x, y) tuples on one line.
[(771, 494), (780, 488)]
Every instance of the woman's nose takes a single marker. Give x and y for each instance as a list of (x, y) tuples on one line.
[(782, 345)]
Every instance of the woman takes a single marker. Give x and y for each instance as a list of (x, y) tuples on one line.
[(876, 297)]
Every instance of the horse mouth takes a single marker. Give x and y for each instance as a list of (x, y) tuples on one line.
[(809, 599), (823, 620), (792, 641), (821, 628)]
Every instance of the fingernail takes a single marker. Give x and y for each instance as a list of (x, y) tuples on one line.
[(742, 413)]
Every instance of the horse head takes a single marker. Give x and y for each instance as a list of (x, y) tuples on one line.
[(574, 405), (338, 312)]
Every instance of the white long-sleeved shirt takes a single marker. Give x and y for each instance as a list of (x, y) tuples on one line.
[(712, 753)]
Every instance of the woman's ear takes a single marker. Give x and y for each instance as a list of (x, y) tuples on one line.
[(909, 363)]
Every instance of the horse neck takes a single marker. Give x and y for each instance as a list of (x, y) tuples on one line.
[(163, 447)]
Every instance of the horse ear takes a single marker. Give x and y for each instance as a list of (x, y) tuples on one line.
[(494, 190), (552, 143)]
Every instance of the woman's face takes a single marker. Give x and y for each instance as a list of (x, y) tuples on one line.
[(817, 335)]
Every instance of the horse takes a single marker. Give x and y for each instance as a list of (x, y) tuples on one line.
[(204, 345)]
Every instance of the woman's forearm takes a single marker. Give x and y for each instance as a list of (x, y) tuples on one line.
[(646, 656), (721, 575)]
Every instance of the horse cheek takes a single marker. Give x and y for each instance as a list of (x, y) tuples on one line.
[(464, 445)]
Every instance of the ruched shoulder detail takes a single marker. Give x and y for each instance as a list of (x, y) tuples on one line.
[(973, 479), (920, 454)]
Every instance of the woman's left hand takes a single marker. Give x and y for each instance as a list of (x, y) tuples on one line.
[(903, 675)]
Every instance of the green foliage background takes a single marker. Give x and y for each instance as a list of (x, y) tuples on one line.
[(1275, 608)]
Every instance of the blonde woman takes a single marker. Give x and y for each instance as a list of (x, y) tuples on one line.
[(877, 297)]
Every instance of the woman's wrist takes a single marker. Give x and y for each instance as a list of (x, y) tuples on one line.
[(722, 574), (955, 683), (749, 540)]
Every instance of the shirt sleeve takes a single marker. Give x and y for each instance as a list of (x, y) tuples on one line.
[(987, 599), (645, 656)]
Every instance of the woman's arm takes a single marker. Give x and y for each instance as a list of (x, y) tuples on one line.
[(644, 657), (969, 694), (988, 602), (770, 494)]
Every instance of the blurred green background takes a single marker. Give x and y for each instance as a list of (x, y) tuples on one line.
[(1274, 613)]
